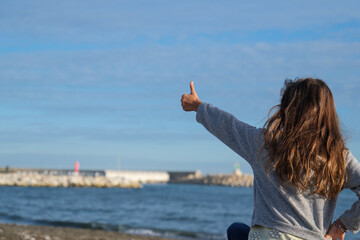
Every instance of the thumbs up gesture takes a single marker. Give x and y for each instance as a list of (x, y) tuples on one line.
[(190, 102)]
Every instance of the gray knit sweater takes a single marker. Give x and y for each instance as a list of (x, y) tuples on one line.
[(280, 206)]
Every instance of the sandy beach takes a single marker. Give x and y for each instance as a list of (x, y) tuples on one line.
[(21, 232)]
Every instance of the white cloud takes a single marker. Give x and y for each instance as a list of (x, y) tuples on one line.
[(114, 21), (116, 70)]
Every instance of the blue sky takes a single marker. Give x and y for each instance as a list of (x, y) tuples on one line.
[(100, 81)]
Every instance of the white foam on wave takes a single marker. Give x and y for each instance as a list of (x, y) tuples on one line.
[(143, 231)]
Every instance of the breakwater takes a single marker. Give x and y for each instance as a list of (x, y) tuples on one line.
[(116, 178), (232, 180), (35, 179)]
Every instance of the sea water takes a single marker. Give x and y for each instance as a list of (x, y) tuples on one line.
[(176, 211)]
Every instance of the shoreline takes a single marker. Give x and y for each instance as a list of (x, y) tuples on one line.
[(36, 232)]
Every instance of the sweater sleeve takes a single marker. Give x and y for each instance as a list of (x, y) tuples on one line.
[(351, 217), (239, 136)]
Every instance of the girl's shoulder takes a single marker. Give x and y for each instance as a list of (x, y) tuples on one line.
[(352, 170)]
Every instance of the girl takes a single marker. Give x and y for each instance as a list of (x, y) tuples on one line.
[(299, 161)]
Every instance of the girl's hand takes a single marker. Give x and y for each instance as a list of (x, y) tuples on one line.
[(190, 102), (335, 233)]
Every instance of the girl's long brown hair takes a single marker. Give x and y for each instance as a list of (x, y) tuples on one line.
[(303, 139)]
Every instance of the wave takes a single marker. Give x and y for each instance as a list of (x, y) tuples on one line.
[(168, 233)]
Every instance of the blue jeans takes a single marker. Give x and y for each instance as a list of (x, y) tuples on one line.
[(238, 231)]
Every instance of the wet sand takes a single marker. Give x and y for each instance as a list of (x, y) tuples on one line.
[(21, 232)]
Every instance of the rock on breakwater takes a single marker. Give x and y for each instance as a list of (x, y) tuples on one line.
[(34, 179), (233, 180)]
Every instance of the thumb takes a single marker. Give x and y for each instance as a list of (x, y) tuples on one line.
[(192, 89)]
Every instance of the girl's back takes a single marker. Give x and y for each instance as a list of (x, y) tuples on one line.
[(299, 160)]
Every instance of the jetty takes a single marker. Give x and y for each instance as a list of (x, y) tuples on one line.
[(115, 178), (54, 178), (232, 180)]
